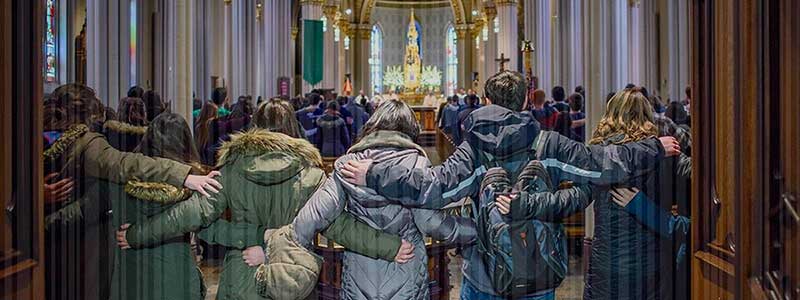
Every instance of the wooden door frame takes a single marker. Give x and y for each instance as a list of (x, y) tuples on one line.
[(21, 82)]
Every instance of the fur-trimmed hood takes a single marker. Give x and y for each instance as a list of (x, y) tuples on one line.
[(124, 128), (156, 192), (268, 157)]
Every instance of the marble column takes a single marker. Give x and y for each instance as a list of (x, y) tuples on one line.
[(466, 49), (508, 39), (343, 67), (275, 55), (108, 62), (538, 29), (184, 63), (243, 43), (329, 48), (489, 47), (309, 10), (359, 46), (677, 14)]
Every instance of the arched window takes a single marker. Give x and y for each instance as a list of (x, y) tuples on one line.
[(376, 59), (452, 61), (51, 42)]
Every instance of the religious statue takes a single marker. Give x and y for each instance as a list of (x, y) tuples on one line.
[(412, 65)]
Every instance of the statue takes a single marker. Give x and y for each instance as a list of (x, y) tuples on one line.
[(412, 65)]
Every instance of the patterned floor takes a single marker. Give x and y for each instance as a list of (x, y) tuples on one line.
[(570, 289)]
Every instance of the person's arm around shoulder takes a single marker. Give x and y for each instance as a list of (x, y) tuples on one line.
[(445, 228), (425, 187), (101, 160), (647, 212), (599, 164), (546, 206)]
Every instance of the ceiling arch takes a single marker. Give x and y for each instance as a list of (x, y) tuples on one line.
[(368, 5)]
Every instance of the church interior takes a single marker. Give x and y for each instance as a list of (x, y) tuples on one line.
[(96, 94)]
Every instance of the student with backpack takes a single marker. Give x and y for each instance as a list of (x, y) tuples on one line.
[(503, 131)]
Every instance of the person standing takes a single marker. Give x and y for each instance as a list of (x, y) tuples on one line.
[(334, 139)]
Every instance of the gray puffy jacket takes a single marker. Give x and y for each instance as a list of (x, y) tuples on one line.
[(364, 277)]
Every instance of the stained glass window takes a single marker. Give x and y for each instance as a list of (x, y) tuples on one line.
[(132, 49), (452, 61), (376, 59), (51, 42)]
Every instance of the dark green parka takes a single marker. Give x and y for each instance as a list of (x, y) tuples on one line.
[(267, 178)]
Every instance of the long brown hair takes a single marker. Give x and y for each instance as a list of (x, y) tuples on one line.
[(168, 136), (202, 133), (277, 115), (629, 114), (72, 104), (392, 115), (132, 111)]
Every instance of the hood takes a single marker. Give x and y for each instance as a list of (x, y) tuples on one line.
[(156, 192), (500, 131), (268, 157), (63, 143), (124, 128), (386, 139)]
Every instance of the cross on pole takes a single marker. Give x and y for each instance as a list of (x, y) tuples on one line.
[(502, 60)]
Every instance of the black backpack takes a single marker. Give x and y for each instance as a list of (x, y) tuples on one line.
[(522, 256)]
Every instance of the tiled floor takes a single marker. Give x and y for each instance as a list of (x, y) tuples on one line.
[(570, 289)]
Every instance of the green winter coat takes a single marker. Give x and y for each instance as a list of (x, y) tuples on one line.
[(78, 247), (267, 178)]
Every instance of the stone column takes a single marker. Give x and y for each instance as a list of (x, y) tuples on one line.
[(538, 29), (489, 47), (309, 10), (275, 56), (508, 39), (466, 49), (329, 47), (677, 42), (359, 46), (107, 57), (343, 67), (184, 66)]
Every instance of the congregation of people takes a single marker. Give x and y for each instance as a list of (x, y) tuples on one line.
[(130, 189)]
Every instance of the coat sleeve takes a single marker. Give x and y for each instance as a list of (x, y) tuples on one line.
[(186, 216), (233, 235), (445, 228), (103, 161), (361, 238), (428, 187), (324, 212), (658, 219), (568, 160), (551, 207)]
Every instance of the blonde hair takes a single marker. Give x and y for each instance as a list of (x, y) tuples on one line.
[(629, 114)]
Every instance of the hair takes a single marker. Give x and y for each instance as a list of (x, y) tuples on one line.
[(580, 90), (610, 96), (688, 91), (155, 106), (628, 114), (111, 114), (392, 115), (277, 115), (538, 97), (242, 108), (507, 89), (136, 92), (132, 111), (655, 102), (168, 136), (314, 99), (197, 104), (630, 86), (72, 104), (576, 102), (666, 127), (219, 95), (472, 100), (452, 99), (332, 105), (677, 113), (202, 134), (559, 94), (342, 100)]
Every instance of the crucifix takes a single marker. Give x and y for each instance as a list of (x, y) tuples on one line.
[(502, 60)]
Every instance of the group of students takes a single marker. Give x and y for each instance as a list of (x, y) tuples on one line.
[(567, 116), (332, 125), (381, 201)]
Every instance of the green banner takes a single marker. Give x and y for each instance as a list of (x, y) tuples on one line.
[(312, 51)]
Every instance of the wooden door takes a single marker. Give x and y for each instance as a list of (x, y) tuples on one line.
[(21, 230), (746, 175)]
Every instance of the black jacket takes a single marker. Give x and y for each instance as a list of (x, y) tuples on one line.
[(500, 132)]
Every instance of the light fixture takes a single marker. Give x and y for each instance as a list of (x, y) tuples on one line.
[(346, 43), (348, 11), (485, 33), (478, 42), (324, 20), (336, 33), (474, 13)]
